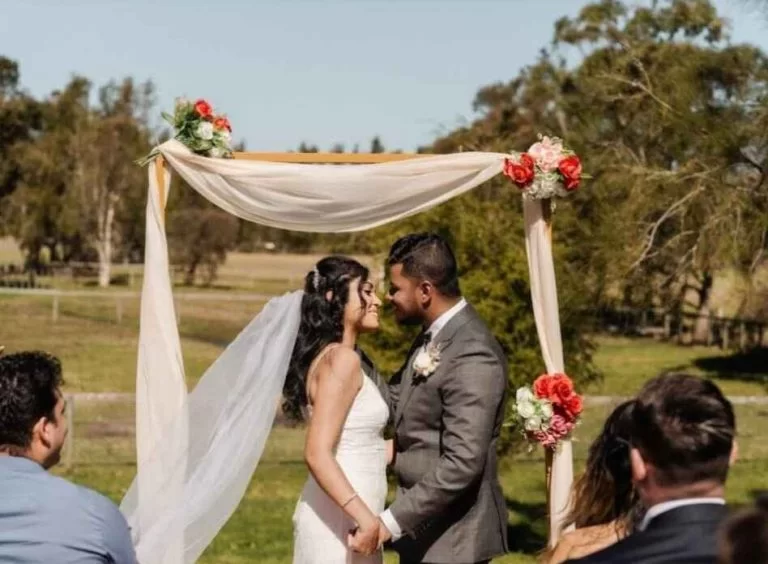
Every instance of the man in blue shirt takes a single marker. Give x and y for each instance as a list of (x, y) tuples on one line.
[(44, 518)]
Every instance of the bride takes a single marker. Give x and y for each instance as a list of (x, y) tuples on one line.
[(345, 450), (301, 345)]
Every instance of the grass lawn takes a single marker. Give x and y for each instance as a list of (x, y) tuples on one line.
[(627, 363)]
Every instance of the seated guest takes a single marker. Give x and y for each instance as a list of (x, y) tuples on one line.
[(744, 536), (44, 518), (604, 505), (682, 446)]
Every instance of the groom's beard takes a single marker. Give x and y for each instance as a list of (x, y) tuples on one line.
[(408, 319)]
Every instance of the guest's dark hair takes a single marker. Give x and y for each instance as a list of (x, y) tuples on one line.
[(326, 292), (29, 390), (427, 256), (604, 492), (744, 535), (685, 428)]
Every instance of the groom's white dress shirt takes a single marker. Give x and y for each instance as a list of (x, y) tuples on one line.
[(386, 517)]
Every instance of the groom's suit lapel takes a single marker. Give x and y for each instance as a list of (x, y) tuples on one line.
[(442, 339)]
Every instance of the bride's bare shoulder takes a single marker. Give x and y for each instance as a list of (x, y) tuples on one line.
[(340, 361)]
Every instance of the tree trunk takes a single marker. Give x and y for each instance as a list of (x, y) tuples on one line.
[(702, 326), (104, 240), (189, 276)]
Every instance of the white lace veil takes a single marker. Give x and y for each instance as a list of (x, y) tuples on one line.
[(230, 414)]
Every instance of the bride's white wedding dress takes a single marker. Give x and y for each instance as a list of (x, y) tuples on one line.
[(320, 527)]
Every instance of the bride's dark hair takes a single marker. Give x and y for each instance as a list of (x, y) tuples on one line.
[(326, 292), (604, 492)]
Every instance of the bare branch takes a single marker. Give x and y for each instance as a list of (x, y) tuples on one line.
[(654, 228)]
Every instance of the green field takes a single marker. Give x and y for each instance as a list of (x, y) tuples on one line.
[(99, 356)]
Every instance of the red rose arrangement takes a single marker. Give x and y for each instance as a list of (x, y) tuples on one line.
[(546, 170), (548, 411)]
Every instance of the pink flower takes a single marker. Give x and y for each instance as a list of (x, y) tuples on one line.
[(547, 439), (547, 153), (558, 425)]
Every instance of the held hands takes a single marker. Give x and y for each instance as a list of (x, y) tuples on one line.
[(368, 540)]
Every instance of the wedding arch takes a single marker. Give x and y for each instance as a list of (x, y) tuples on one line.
[(191, 469)]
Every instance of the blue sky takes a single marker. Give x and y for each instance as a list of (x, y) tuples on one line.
[(286, 71)]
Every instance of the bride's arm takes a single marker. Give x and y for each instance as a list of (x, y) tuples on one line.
[(334, 392)]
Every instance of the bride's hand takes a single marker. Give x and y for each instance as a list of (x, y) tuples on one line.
[(365, 540)]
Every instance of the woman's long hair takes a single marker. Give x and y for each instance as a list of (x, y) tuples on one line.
[(604, 492), (326, 292)]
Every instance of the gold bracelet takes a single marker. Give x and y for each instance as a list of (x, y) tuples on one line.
[(349, 500)]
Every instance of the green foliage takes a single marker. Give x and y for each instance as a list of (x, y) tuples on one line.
[(200, 239)]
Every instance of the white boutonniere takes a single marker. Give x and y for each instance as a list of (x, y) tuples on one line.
[(427, 361)]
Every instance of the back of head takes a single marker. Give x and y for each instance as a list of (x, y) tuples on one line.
[(29, 391), (744, 536), (604, 492), (326, 292), (427, 256), (684, 428)]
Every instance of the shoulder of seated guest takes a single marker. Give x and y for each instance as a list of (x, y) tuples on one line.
[(586, 541)]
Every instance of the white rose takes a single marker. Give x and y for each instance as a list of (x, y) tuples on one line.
[(422, 362), (524, 394), (546, 409), (525, 409), (224, 134), (217, 152), (533, 423), (205, 131)]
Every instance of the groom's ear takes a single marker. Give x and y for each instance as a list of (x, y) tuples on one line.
[(426, 291)]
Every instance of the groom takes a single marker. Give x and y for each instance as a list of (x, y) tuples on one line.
[(448, 405)]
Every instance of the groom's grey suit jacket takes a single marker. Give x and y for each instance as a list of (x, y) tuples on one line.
[(449, 502)]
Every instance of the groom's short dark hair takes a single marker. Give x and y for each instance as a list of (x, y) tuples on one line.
[(427, 256)]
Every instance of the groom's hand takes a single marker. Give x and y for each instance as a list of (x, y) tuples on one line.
[(365, 540), (384, 533)]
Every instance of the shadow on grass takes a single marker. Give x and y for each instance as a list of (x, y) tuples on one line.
[(749, 366), (527, 534)]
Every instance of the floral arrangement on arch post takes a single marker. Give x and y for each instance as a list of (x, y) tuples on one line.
[(547, 412), (546, 170), (199, 128)]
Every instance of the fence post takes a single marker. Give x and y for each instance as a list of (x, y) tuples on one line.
[(726, 335), (667, 326), (69, 442), (742, 336), (55, 310)]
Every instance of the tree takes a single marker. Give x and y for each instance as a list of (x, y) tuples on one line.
[(199, 239), (19, 120), (76, 173), (669, 114)]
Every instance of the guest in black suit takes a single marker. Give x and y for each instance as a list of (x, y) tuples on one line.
[(682, 445)]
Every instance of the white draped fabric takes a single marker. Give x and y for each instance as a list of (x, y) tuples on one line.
[(196, 452), (541, 269)]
